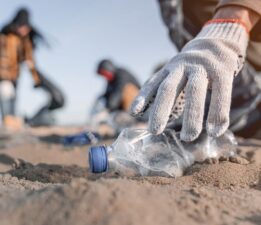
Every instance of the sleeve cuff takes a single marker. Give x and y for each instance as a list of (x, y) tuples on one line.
[(254, 5)]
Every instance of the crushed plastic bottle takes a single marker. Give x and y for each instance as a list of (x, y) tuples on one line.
[(83, 138), (139, 153)]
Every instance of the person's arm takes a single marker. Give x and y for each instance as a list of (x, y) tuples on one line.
[(248, 17), (29, 60), (212, 59), (115, 97)]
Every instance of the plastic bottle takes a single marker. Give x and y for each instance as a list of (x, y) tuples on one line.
[(83, 138), (138, 152)]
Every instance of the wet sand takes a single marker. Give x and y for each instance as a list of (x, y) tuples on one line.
[(42, 182)]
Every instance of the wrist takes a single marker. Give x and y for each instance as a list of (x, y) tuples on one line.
[(226, 31), (237, 22), (246, 16)]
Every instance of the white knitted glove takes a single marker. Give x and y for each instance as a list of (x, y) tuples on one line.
[(211, 60)]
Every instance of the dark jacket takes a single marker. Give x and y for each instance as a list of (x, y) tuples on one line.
[(121, 91)]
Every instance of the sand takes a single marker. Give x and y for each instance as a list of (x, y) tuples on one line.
[(42, 182)]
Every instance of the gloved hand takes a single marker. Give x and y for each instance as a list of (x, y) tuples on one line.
[(211, 60)]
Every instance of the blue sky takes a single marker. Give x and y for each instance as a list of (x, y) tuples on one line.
[(82, 32)]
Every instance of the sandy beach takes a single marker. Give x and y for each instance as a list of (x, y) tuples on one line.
[(42, 182)]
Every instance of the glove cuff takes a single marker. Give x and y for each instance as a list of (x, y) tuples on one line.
[(232, 30), (237, 21)]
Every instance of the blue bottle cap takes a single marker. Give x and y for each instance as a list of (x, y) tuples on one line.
[(98, 159)]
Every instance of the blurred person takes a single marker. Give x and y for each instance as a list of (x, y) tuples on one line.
[(18, 41), (112, 108), (220, 47), (122, 86), (110, 113)]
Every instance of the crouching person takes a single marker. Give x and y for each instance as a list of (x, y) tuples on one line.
[(122, 87), (18, 40)]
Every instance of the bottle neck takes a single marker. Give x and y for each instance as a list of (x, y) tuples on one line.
[(109, 149)]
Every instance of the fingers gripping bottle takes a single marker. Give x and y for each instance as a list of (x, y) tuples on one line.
[(139, 153)]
